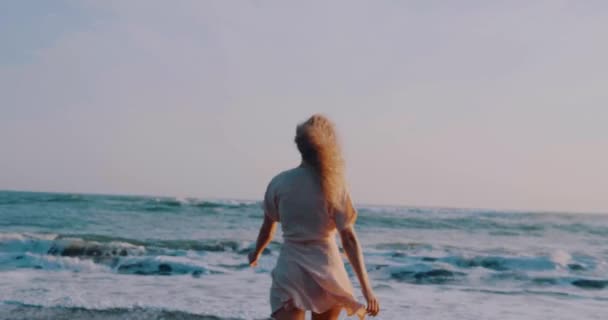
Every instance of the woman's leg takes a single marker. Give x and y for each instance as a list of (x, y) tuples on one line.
[(288, 314), (331, 314)]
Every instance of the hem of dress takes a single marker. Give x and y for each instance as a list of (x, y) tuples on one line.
[(353, 308)]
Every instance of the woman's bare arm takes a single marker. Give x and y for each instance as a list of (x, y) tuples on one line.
[(351, 246), (264, 237)]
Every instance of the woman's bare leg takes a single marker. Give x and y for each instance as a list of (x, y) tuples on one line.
[(291, 314), (331, 314)]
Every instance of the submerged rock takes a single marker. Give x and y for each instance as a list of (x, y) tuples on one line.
[(435, 276), (164, 269), (590, 284)]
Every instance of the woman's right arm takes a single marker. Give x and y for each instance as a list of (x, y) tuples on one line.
[(351, 246)]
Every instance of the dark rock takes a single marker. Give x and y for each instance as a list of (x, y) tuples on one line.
[(545, 281), (436, 276), (576, 267), (590, 284), (72, 251), (164, 269), (94, 251)]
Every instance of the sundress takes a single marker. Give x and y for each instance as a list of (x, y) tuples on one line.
[(310, 273)]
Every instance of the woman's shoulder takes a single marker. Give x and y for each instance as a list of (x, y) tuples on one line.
[(285, 174)]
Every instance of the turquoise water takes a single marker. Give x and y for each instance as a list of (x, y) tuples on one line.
[(78, 256)]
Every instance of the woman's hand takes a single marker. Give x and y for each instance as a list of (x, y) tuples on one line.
[(373, 306), (253, 258), (266, 233), (351, 246)]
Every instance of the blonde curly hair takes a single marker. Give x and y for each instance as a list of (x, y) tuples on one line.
[(318, 144)]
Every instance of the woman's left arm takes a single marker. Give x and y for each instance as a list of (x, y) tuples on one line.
[(264, 237)]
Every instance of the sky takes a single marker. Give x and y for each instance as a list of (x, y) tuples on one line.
[(475, 104)]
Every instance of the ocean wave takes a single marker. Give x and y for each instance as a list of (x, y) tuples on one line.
[(553, 281), (499, 263), (515, 292), (226, 204), (124, 203), (467, 223), (26, 242), (508, 224), (20, 311), (75, 247), (590, 283), (404, 246), (143, 265), (165, 265), (17, 198), (430, 276), (583, 228), (403, 252), (48, 262), (120, 255), (162, 245), (178, 204), (54, 244), (159, 205), (92, 245)]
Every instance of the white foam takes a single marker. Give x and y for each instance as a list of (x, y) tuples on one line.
[(244, 295), (173, 264), (49, 262), (26, 242), (561, 258)]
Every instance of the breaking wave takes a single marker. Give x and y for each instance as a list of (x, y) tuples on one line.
[(119, 255), (21, 311)]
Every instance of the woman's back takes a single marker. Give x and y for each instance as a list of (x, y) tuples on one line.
[(295, 198), (310, 273), (311, 202)]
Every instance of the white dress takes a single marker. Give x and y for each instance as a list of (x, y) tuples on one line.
[(309, 273)]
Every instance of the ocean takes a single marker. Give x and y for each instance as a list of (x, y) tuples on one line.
[(75, 256)]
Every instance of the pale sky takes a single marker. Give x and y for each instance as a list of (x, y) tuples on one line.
[(485, 104)]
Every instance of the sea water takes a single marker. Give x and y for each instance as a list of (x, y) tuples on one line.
[(73, 256)]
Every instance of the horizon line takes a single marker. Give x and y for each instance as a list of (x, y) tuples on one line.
[(513, 210)]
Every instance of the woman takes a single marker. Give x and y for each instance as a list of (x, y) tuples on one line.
[(311, 202)]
